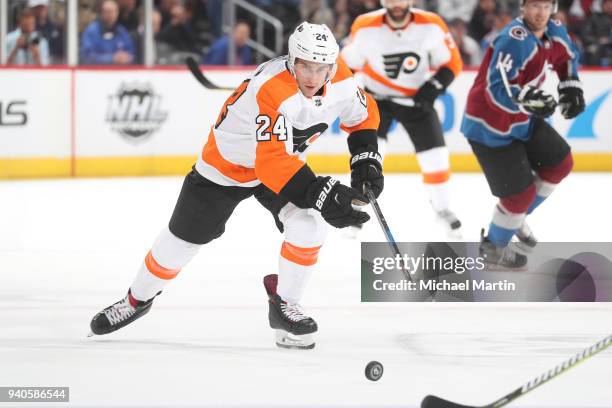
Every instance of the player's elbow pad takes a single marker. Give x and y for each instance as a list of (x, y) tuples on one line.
[(297, 186)]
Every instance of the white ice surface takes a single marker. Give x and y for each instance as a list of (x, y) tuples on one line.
[(71, 247)]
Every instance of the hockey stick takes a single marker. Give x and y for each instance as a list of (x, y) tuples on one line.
[(435, 402), (504, 76), (193, 66), (385, 227)]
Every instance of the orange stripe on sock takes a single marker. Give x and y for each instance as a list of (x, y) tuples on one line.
[(299, 255), (158, 270), (437, 177)]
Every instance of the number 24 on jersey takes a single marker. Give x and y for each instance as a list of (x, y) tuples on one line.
[(279, 129)]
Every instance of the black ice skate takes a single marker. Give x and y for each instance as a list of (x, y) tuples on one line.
[(294, 330), (450, 222), (118, 315), (526, 240), (500, 257)]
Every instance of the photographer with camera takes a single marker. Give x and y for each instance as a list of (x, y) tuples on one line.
[(25, 46)]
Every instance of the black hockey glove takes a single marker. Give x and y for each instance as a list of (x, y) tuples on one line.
[(334, 201), (433, 87), (427, 93), (536, 102), (366, 167), (571, 98)]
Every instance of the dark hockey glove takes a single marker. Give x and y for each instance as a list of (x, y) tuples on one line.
[(334, 201), (366, 167), (427, 93), (536, 102), (433, 87), (571, 98)]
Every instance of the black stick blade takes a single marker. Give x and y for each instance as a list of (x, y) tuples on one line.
[(432, 401), (194, 67)]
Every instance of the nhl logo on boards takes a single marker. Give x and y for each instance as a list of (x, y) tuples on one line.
[(135, 112)]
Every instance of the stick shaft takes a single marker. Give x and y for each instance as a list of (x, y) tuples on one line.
[(385, 227), (554, 372)]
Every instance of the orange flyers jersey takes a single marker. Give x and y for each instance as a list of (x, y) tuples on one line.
[(398, 61), (266, 125)]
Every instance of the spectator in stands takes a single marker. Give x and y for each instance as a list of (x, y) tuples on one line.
[(128, 14), (359, 7), (219, 51), (25, 45), (482, 19), (53, 33), (138, 35), (572, 29), (178, 35), (343, 20), (317, 12), (453, 9), (471, 53), (214, 11), (105, 41), (597, 36), (165, 7), (87, 13), (501, 19)]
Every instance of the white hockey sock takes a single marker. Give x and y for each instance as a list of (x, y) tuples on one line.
[(165, 260), (434, 164), (292, 280), (305, 232), (439, 195)]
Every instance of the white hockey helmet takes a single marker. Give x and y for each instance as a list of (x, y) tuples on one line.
[(315, 43), (554, 2)]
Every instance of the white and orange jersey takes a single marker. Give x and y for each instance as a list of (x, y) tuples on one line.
[(398, 61), (266, 125)]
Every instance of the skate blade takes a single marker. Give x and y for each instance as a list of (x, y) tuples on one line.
[(287, 340), (90, 334)]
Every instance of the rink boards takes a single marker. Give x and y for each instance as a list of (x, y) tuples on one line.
[(104, 122)]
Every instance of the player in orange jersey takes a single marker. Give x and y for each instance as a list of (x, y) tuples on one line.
[(394, 49), (257, 148)]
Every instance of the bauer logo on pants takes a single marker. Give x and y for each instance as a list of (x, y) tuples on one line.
[(135, 112)]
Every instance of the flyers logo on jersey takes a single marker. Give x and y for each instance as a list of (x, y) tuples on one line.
[(407, 61), (303, 138), (362, 98)]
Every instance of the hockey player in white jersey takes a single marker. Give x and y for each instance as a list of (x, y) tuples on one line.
[(394, 49), (256, 148)]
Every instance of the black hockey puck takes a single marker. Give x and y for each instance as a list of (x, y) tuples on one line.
[(373, 371)]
